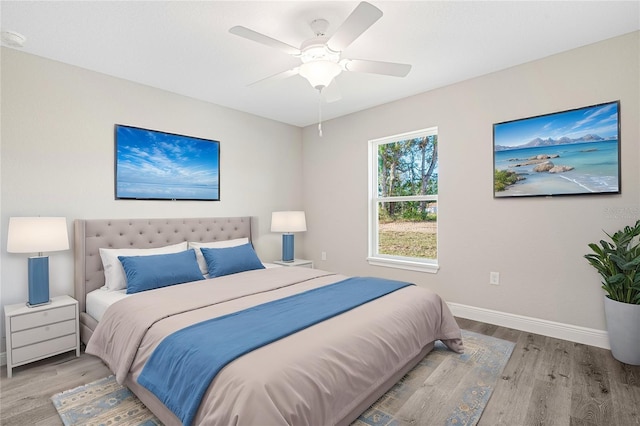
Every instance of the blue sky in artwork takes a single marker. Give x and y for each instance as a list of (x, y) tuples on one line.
[(156, 164), (599, 120)]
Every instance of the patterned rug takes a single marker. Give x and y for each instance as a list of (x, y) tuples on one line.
[(103, 402), (443, 389)]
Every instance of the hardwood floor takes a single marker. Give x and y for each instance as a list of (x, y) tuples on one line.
[(546, 382), (554, 382), (25, 398)]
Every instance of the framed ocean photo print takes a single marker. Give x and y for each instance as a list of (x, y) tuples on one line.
[(155, 165), (573, 152)]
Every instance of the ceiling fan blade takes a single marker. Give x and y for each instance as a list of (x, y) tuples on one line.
[(377, 67), (276, 77), (263, 39), (362, 17), (331, 93)]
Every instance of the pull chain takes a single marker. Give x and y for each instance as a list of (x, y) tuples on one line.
[(320, 112)]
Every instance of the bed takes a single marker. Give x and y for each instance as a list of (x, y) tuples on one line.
[(326, 373)]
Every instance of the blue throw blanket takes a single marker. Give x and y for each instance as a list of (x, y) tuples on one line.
[(183, 365)]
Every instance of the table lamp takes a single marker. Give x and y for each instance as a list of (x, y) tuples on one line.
[(37, 235), (288, 222)]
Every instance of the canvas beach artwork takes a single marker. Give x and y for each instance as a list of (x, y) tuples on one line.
[(572, 152), (155, 165)]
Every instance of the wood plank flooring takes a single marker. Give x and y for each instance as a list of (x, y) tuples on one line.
[(554, 382), (546, 382)]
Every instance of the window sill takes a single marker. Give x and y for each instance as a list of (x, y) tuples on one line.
[(410, 265)]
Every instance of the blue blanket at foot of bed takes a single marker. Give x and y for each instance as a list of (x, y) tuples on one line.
[(183, 365)]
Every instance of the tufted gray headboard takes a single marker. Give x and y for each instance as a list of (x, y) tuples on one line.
[(93, 234)]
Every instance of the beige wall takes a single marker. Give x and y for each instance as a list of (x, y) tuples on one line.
[(536, 244), (57, 157)]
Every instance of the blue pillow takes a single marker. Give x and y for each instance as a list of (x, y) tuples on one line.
[(231, 260), (160, 270)]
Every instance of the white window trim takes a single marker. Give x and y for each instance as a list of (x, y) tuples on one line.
[(374, 258), (403, 263)]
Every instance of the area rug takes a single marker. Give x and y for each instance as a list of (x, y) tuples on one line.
[(103, 402), (443, 389)]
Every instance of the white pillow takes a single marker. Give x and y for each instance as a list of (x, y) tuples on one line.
[(114, 276), (215, 244)]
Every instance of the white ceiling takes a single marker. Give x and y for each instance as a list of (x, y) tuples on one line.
[(185, 47)]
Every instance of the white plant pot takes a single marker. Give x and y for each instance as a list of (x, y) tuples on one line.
[(623, 326)]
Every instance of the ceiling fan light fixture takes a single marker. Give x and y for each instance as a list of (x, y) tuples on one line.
[(317, 50), (320, 73)]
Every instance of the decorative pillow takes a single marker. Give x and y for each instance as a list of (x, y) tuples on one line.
[(231, 260), (216, 244), (114, 278), (160, 270)]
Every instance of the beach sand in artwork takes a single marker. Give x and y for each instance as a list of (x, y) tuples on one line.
[(559, 185)]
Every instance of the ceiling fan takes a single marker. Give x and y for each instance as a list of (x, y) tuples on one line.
[(321, 55)]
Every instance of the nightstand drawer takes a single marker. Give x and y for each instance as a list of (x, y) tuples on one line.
[(39, 334), (43, 349), (37, 319)]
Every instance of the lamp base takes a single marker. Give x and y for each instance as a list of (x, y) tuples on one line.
[(287, 247), (29, 305), (38, 281)]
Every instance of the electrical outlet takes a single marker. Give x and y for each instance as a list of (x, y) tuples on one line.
[(324, 255), (494, 278)]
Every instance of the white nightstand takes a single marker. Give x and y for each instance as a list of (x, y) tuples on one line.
[(41, 332), (295, 262)]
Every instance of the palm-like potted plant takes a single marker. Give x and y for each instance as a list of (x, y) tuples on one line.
[(618, 263)]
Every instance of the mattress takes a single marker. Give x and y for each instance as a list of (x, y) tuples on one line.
[(99, 300)]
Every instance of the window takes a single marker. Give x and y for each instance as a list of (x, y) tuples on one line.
[(403, 201)]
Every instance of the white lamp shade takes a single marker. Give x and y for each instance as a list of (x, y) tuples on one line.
[(37, 234), (289, 221), (320, 73)]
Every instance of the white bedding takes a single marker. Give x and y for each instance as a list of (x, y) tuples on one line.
[(99, 300)]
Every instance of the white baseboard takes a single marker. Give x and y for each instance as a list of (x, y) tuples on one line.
[(572, 333)]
